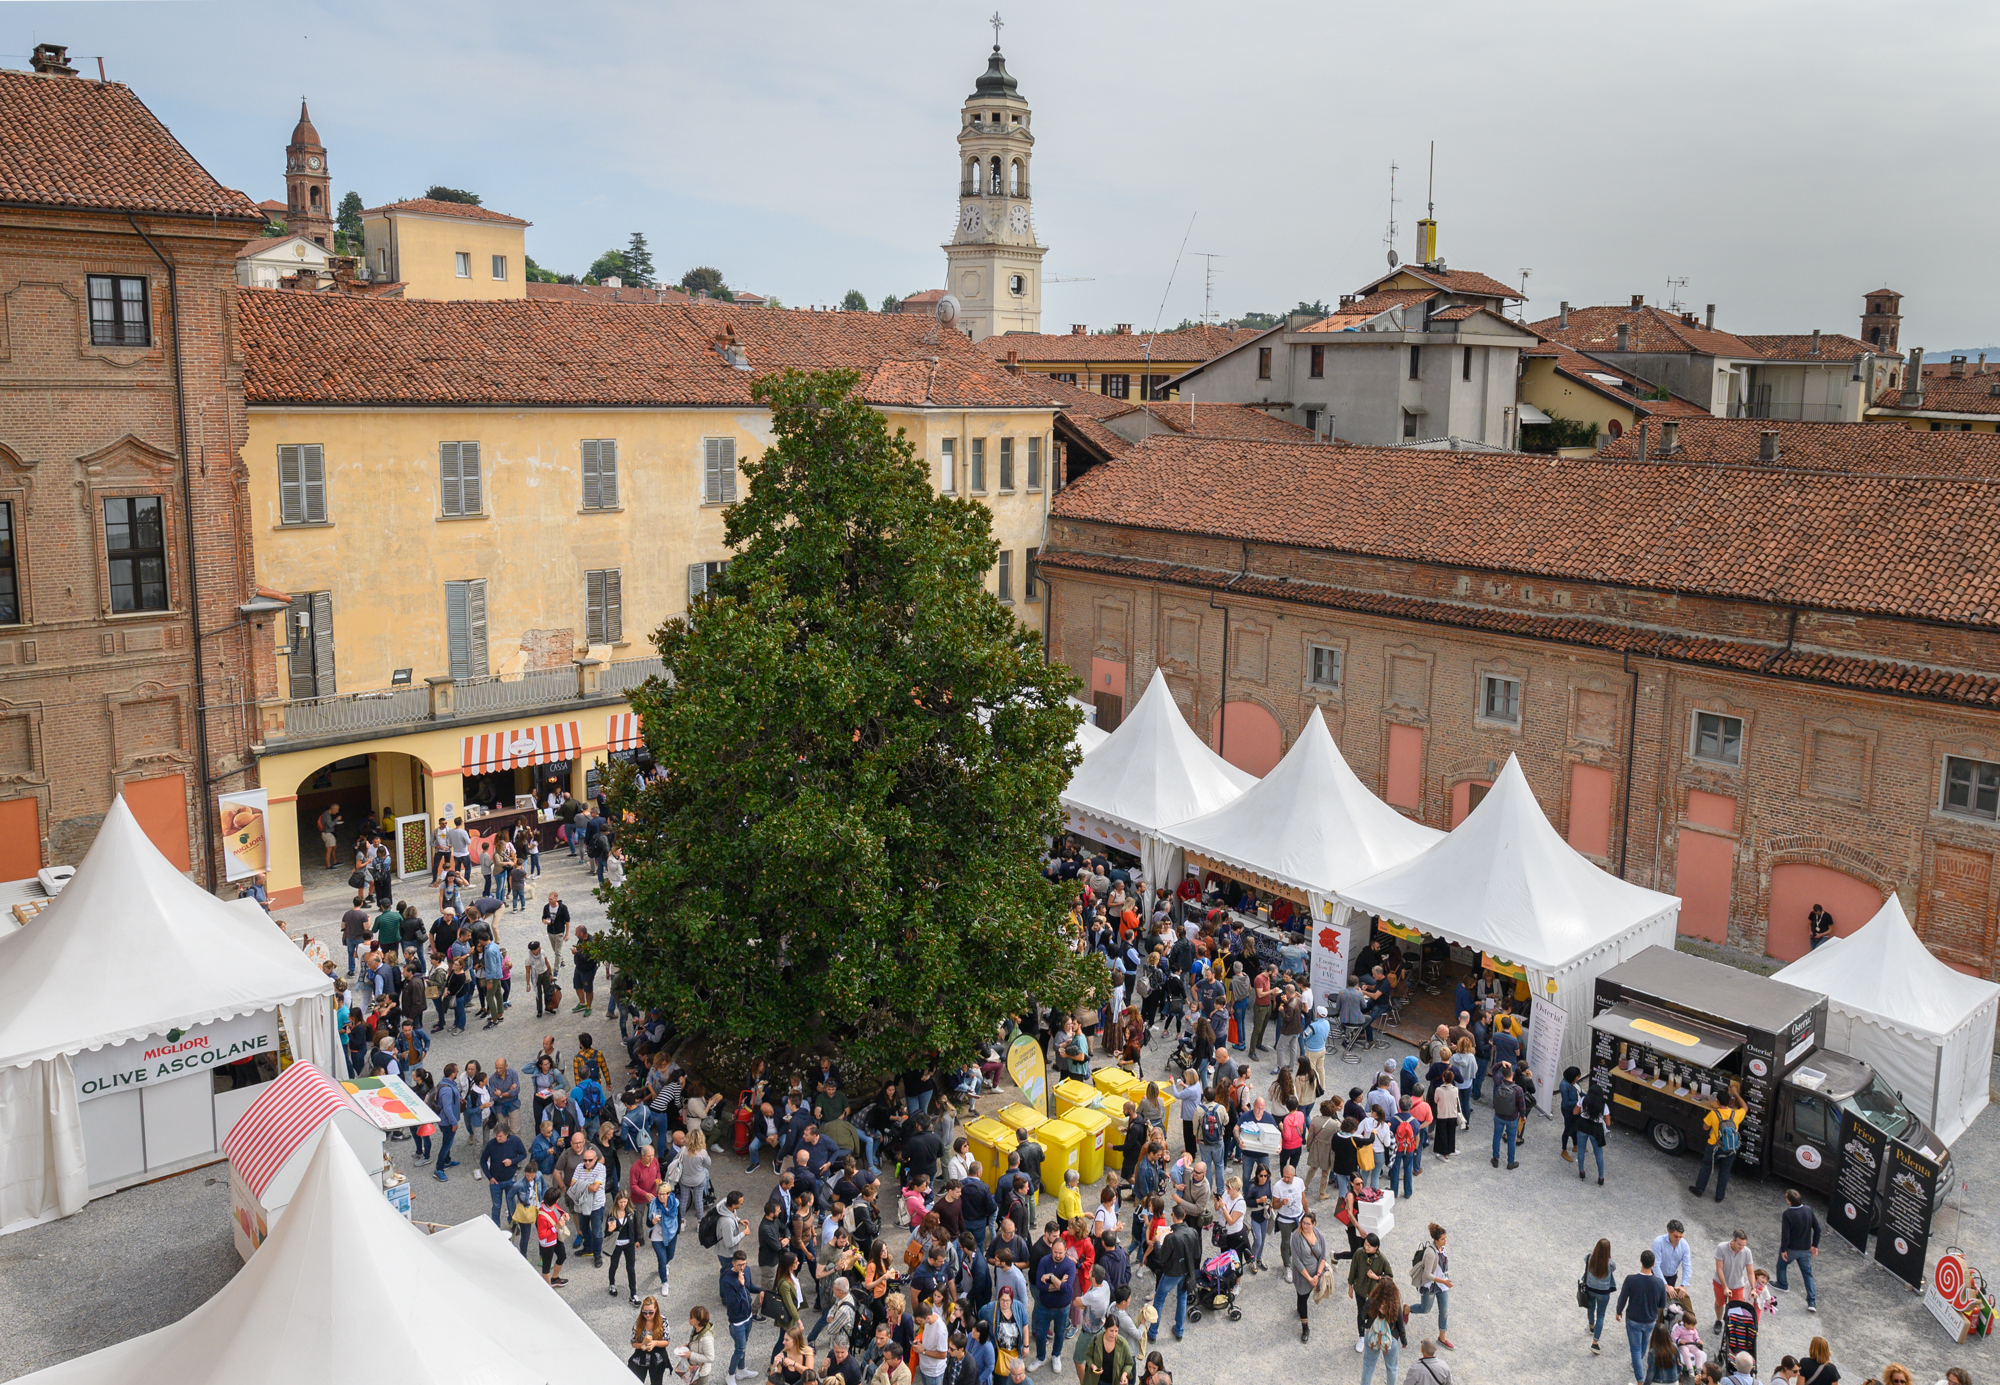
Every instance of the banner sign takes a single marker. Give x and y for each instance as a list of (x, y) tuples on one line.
[(389, 1102), (1948, 1293), (1327, 974), (1851, 1209), (1545, 1043), (1028, 1068), (246, 850), (1905, 1237), (161, 1058)]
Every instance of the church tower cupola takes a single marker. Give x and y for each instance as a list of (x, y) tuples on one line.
[(308, 186), (993, 265)]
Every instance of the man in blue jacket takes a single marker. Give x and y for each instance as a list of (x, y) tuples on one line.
[(501, 1161), (448, 1113), (1644, 1296), (739, 1305), (1055, 1290)]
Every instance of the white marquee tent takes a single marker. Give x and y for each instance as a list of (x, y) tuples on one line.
[(1502, 882), (1927, 1029), (314, 1294), (1151, 773), (97, 1089)]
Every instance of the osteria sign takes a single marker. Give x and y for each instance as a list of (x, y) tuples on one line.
[(158, 1058)]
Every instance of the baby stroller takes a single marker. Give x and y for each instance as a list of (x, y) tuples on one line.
[(1215, 1287), (1183, 1056)]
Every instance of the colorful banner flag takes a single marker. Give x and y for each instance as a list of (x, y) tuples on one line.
[(246, 849)]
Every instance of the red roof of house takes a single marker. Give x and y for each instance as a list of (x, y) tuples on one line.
[(1970, 393), (1622, 385), (1366, 309), (1651, 329), (1188, 345), (1896, 545), (464, 211), (1466, 281), (1798, 346), (1887, 449), (598, 293), (1225, 421), (272, 204), (927, 296), (335, 349), (69, 142)]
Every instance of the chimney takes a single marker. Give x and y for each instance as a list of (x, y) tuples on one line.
[(52, 59), (701, 294), (1767, 445), (1640, 447), (1815, 345), (1982, 363), (1013, 363), (1958, 367), (1670, 437), (1638, 300), (612, 281), (1711, 317), (1079, 329), (1913, 380), (1562, 316), (1124, 329), (1624, 336)]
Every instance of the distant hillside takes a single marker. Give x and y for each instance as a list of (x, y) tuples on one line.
[(1971, 353)]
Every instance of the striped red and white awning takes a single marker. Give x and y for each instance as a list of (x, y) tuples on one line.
[(525, 745), (621, 732), (290, 1109)]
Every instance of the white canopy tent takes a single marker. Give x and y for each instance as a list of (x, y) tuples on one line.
[(314, 1293), (117, 1004), (1927, 1029), (1502, 882), (1152, 772)]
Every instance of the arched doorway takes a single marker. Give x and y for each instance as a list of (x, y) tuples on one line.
[(1249, 737), (1796, 887), (366, 795)]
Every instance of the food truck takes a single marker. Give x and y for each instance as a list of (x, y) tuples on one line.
[(1672, 1031)]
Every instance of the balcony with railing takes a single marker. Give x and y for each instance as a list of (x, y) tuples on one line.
[(299, 723)]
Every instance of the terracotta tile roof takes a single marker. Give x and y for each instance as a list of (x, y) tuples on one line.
[(1798, 346), (1226, 421), (1882, 449), (1466, 281), (272, 204), (1076, 400), (464, 211), (1178, 348), (1773, 661), (336, 349), (1652, 329), (1968, 394), (1363, 310), (1613, 383), (1895, 545), (927, 296), (69, 142), (1097, 434), (598, 293)]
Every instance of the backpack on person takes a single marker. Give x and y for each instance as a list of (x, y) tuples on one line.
[(1406, 1137), (1211, 1123), (1727, 1138), (589, 1098), (1417, 1267), (711, 1226)]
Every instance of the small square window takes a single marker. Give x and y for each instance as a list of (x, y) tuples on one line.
[(499, 266), (1115, 386), (1323, 669), (1500, 699), (463, 262), (1718, 738), (1971, 787), (118, 311), (1409, 424)]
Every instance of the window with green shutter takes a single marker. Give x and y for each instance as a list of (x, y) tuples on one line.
[(603, 607), (718, 483), (465, 628), (302, 484), (978, 477), (600, 473), (1034, 464), (458, 478)]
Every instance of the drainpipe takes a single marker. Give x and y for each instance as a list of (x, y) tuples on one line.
[(193, 572), (1221, 717), (1631, 733)]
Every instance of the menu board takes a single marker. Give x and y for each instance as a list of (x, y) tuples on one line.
[(1603, 1056), (1906, 1214), (1760, 1073), (1851, 1209)]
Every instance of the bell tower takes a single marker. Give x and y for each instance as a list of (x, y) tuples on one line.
[(308, 187), (992, 264), (1882, 320)]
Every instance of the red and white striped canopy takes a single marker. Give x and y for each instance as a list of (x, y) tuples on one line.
[(525, 745), (290, 1109), (621, 732)]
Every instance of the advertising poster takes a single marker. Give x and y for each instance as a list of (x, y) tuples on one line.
[(1545, 1044), (389, 1102), (246, 850), (1905, 1236), (1328, 966), (177, 1053), (1850, 1210), (1029, 1070)]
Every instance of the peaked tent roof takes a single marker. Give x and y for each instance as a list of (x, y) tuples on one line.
[(281, 1118), (1503, 882), (289, 1313), (1883, 969), (1309, 823), (132, 947), (1154, 771)]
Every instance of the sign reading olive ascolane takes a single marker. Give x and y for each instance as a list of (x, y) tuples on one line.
[(149, 1061)]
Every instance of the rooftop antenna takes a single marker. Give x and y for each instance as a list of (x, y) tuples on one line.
[(1208, 287), (1520, 309), (1146, 379), (1389, 236), (1430, 187), (1674, 287)]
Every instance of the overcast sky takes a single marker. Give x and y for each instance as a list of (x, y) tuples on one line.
[(1784, 158)]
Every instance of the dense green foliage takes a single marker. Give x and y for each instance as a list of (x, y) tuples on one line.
[(855, 302), (347, 224), (710, 278), (438, 192), (863, 751), (639, 260)]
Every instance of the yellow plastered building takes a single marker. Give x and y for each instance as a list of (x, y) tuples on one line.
[(447, 250)]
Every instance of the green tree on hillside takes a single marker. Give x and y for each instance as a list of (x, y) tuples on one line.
[(609, 263), (863, 751), (855, 302), (639, 260), (709, 278), (347, 223), (891, 303)]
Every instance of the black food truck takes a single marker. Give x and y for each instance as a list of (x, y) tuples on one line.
[(1672, 1031)]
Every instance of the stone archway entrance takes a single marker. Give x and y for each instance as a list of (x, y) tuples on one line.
[(1796, 887)]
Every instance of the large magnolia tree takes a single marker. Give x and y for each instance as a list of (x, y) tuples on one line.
[(863, 750)]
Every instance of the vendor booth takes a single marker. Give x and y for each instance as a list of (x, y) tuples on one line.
[(1926, 1029), (344, 1279), (1504, 884), (1302, 832), (139, 1016), (1151, 773)]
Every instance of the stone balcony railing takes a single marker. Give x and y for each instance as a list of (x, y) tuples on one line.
[(358, 716)]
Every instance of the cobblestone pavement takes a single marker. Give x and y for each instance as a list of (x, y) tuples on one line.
[(146, 1257)]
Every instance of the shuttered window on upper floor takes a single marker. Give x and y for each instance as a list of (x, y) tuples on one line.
[(718, 476), (465, 627), (458, 478), (603, 607), (302, 484), (600, 473)]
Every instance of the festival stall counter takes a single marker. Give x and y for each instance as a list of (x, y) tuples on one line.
[(138, 1014)]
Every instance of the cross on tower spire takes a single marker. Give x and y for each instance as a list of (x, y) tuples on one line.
[(998, 24)]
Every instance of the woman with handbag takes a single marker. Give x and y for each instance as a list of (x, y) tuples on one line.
[(1594, 1288), (650, 1346), (697, 1359), (1347, 1211), (1008, 1329), (1312, 1271)]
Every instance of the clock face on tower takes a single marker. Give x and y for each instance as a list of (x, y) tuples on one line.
[(312, 161), (970, 218), (1018, 219)]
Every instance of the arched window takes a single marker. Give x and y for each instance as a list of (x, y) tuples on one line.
[(1018, 184), (996, 185), (1875, 336), (971, 187), (315, 198)]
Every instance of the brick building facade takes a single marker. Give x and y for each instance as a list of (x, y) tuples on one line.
[(124, 548), (1757, 688)]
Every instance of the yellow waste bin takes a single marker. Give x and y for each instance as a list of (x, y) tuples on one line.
[(1020, 1117), (1120, 1083), (991, 1143), (1062, 1145), (1071, 1094), (1097, 1130)]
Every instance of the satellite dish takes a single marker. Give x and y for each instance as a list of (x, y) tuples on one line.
[(1393, 261), (947, 310)]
